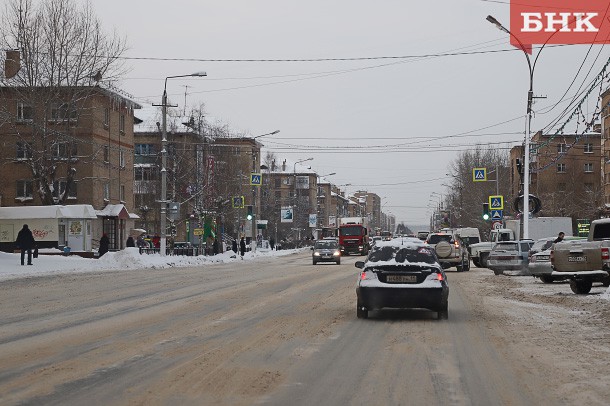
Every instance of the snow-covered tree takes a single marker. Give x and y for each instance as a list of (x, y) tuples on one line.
[(61, 56)]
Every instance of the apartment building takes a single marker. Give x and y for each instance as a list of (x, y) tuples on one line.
[(71, 145)]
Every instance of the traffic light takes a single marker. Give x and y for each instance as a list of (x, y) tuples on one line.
[(486, 211), (250, 213)]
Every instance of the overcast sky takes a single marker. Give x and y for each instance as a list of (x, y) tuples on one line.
[(383, 125)]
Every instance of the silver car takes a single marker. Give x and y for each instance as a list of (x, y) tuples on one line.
[(509, 256), (326, 251)]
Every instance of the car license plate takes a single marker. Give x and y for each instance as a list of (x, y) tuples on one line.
[(401, 278), (543, 258), (580, 258)]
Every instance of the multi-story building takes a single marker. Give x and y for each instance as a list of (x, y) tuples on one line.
[(206, 170), (565, 174), (71, 145), (372, 205)]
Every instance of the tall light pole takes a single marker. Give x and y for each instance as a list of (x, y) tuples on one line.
[(528, 122), (163, 201)]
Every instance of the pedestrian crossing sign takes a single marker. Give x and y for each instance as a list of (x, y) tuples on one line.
[(479, 174), (496, 202), (256, 179), (496, 215)]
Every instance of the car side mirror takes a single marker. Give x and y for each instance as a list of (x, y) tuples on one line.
[(359, 264)]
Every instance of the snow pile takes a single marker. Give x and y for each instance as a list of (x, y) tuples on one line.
[(129, 258)]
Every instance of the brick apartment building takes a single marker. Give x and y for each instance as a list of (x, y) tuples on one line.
[(79, 141), (566, 174)]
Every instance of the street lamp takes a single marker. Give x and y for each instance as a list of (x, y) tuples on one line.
[(163, 241), (528, 122)]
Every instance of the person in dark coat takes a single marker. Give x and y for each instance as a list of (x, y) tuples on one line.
[(234, 246), (242, 246), (215, 246), (272, 243), (104, 244), (559, 237), (130, 242), (25, 242)]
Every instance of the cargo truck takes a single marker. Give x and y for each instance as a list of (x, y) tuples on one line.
[(354, 236)]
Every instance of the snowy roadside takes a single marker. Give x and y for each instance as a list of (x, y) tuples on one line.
[(127, 259)]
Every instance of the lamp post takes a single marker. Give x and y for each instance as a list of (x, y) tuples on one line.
[(528, 121), (163, 201)]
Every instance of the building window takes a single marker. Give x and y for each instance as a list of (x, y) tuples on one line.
[(561, 168), (106, 117), (59, 187), (122, 158), (25, 113), (64, 150), (122, 192), (562, 148), (588, 167), (588, 148), (25, 189), (106, 191), (106, 154), (24, 150), (144, 149), (63, 112), (146, 173), (122, 124), (278, 182)]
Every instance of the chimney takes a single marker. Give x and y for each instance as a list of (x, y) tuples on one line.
[(284, 166), (12, 63), (273, 166)]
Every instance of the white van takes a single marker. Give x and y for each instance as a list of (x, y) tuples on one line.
[(468, 235)]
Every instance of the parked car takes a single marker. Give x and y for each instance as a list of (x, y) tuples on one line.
[(422, 235), (450, 250), (540, 258), (402, 274), (509, 256), (326, 251)]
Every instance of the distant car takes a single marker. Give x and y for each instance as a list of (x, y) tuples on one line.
[(509, 256), (402, 274), (422, 235), (326, 251)]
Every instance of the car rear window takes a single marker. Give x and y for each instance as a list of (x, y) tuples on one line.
[(401, 255), (504, 246), (436, 238)]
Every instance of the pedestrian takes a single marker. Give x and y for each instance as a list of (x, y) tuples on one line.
[(242, 246), (140, 243), (130, 242), (234, 245), (25, 242), (559, 237), (271, 243), (156, 241), (104, 244), (215, 246)]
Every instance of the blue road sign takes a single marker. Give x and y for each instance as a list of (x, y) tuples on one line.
[(496, 202), (496, 215), (256, 179), (479, 174)]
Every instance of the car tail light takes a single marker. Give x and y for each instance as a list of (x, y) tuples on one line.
[(456, 244), (363, 275), (605, 254), (440, 277)]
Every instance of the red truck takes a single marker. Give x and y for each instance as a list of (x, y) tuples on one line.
[(354, 236)]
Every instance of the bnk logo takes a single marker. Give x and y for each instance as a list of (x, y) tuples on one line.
[(559, 22)]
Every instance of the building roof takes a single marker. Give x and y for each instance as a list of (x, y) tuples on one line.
[(76, 211), (116, 210)]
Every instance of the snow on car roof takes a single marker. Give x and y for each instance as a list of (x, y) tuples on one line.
[(402, 251)]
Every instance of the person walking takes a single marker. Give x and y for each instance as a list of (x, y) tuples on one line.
[(559, 237), (215, 246), (234, 245), (130, 242), (242, 247), (104, 244), (25, 242)]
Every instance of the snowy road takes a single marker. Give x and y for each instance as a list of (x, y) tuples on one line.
[(278, 331)]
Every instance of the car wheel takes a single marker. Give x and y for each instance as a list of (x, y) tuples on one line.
[(315, 262), (465, 264), (484, 259), (361, 311), (606, 281), (546, 278), (339, 262), (581, 287), (476, 262), (497, 272)]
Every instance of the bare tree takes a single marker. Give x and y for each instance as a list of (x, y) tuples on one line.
[(63, 57)]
